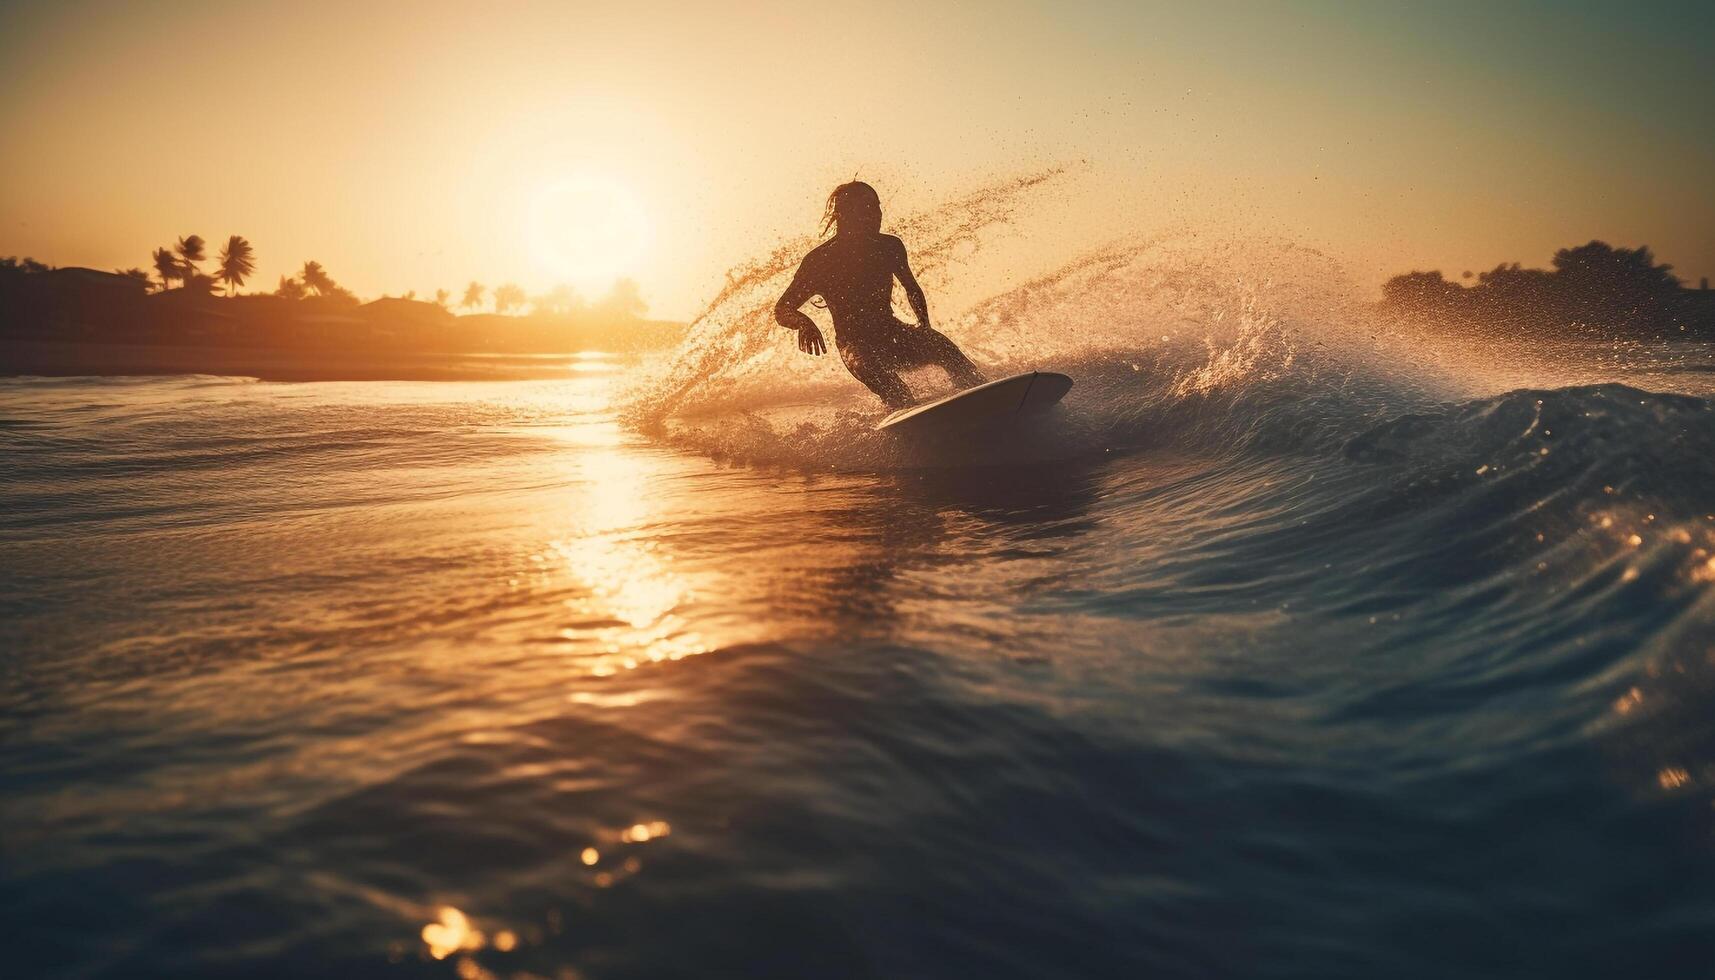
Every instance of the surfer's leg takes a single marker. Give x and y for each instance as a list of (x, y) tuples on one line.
[(926, 345), (876, 376)]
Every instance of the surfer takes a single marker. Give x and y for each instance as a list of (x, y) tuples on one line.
[(853, 272)]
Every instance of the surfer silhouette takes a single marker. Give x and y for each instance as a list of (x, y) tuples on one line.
[(853, 272)]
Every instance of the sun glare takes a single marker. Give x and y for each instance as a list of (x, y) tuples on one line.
[(586, 230)]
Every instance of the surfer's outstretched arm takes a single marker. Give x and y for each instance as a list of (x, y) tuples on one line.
[(913, 292), (788, 315)]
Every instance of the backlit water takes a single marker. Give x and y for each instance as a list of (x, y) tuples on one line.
[(418, 679)]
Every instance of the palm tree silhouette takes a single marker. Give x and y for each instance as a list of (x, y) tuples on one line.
[(624, 300), (237, 262), (472, 296), (316, 278), (190, 249), (506, 296), (442, 297), (560, 299), (167, 267), (290, 288)]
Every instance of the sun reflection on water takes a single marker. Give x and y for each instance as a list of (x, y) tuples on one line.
[(451, 932), (628, 608)]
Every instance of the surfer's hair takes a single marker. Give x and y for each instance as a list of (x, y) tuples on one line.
[(853, 206)]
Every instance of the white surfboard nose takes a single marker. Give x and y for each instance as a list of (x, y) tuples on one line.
[(986, 404)]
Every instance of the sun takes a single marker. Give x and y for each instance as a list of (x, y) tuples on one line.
[(587, 230)]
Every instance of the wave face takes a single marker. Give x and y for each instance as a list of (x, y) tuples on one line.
[(1296, 643)]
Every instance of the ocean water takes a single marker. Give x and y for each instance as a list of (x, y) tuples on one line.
[(1293, 645)]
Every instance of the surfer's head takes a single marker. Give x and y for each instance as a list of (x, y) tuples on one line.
[(855, 208)]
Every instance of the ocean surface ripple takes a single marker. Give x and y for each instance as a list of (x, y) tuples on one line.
[(1268, 656)]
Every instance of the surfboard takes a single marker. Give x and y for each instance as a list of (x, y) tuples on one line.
[(993, 403)]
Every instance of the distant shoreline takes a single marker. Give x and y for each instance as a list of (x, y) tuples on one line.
[(59, 359), (75, 321)]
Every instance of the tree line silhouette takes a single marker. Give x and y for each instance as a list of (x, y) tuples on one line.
[(181, 263), (106, 318), (1591, 287)]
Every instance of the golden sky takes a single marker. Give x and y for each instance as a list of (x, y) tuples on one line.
[(410, 146)]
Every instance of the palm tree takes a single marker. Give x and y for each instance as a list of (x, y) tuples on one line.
[(237, 262), (472, 296), (317, 278), (624, 300), (506, 296), (560, 299), (290, 288), (167, 267), (190, 249), (442, 297)]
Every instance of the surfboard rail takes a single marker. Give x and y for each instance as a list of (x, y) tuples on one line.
[(986, 404)]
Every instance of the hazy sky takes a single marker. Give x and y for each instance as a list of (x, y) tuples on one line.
[(424, 144)]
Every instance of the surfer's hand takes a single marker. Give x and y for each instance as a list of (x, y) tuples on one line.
[(810, 341)]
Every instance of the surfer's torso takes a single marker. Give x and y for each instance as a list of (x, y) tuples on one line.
[(854, 275)]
